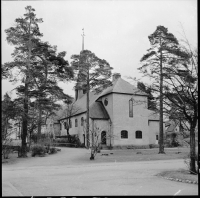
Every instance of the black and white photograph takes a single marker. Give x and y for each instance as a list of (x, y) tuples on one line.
[(99, 98)]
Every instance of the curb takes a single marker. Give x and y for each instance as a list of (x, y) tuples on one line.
[(180, 180)]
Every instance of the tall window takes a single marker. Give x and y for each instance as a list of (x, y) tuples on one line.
[(131, 107), (65, 124), (82, 121), (138, 134), (124, 134), (70, 123), (156, 137), (76, 122), (61, 126)]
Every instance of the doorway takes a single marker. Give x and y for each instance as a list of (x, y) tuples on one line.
[(103, 137), (84, 139)]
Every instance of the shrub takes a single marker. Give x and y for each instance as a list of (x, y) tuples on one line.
[(75, 140), (52, 150), (153, 146), (38, 150), (6, 150)]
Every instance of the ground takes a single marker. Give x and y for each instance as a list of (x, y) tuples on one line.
[(71, 173)]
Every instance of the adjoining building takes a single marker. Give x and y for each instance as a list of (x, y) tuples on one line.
[(120, 112)]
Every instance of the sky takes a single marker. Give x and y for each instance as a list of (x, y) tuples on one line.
[(116, 31)]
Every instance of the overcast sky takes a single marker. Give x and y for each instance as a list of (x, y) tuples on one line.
[(116, 31)]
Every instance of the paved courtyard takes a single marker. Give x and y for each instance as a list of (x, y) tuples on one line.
[(71, 173)]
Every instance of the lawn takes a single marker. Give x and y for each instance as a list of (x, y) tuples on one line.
[(141, 154), (181, 174), (109, 156)]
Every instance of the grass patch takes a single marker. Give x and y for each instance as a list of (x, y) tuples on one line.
[(179, 174)]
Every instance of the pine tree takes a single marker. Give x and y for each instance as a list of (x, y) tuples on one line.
[(164, 46), (93, 75)]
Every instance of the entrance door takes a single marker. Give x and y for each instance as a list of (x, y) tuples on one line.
[(103, 137), (84, 139)]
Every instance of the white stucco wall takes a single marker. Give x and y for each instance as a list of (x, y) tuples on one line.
[(103, 125), (122, 121), (153, 131)]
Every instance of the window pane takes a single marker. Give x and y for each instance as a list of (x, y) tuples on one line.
[(131, 108), (156, 137), (138, 134), (124, 134)]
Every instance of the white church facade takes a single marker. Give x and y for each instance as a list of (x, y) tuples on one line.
[(121, 114)]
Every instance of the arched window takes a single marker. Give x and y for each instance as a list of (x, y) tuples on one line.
[(124, 134), (82, 121), (76, 122), (131, 107), (138, 134)]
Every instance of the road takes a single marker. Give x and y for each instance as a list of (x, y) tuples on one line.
[(76, 179)]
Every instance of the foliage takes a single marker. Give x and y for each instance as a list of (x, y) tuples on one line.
[(153, 146), (52, 150), (92, 74), (23, 36), (151, 99), (38, 150), (156, 64), (39, 68)]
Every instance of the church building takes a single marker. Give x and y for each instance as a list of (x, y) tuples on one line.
[(119, 112)]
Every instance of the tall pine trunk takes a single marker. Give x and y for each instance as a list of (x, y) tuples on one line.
[(25, 116), (24, 122), (192, 148), (39, 122), (88, 113), (161, 143)]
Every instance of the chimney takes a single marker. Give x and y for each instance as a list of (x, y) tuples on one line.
[(116, 76)]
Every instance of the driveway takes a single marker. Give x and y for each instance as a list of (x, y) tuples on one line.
[(71, 173)]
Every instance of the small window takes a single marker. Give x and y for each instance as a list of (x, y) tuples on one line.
[(124, 134), (131, 107), (76, 122), (156, 137), (138, 134), (106, 102), (82, 121)]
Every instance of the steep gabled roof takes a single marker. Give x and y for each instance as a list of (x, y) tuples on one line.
[(96, 108), (123, 87)]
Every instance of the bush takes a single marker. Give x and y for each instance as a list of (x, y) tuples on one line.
[(38, 150), (61, 140), (153, 146), (52, 150), (6, 150)]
